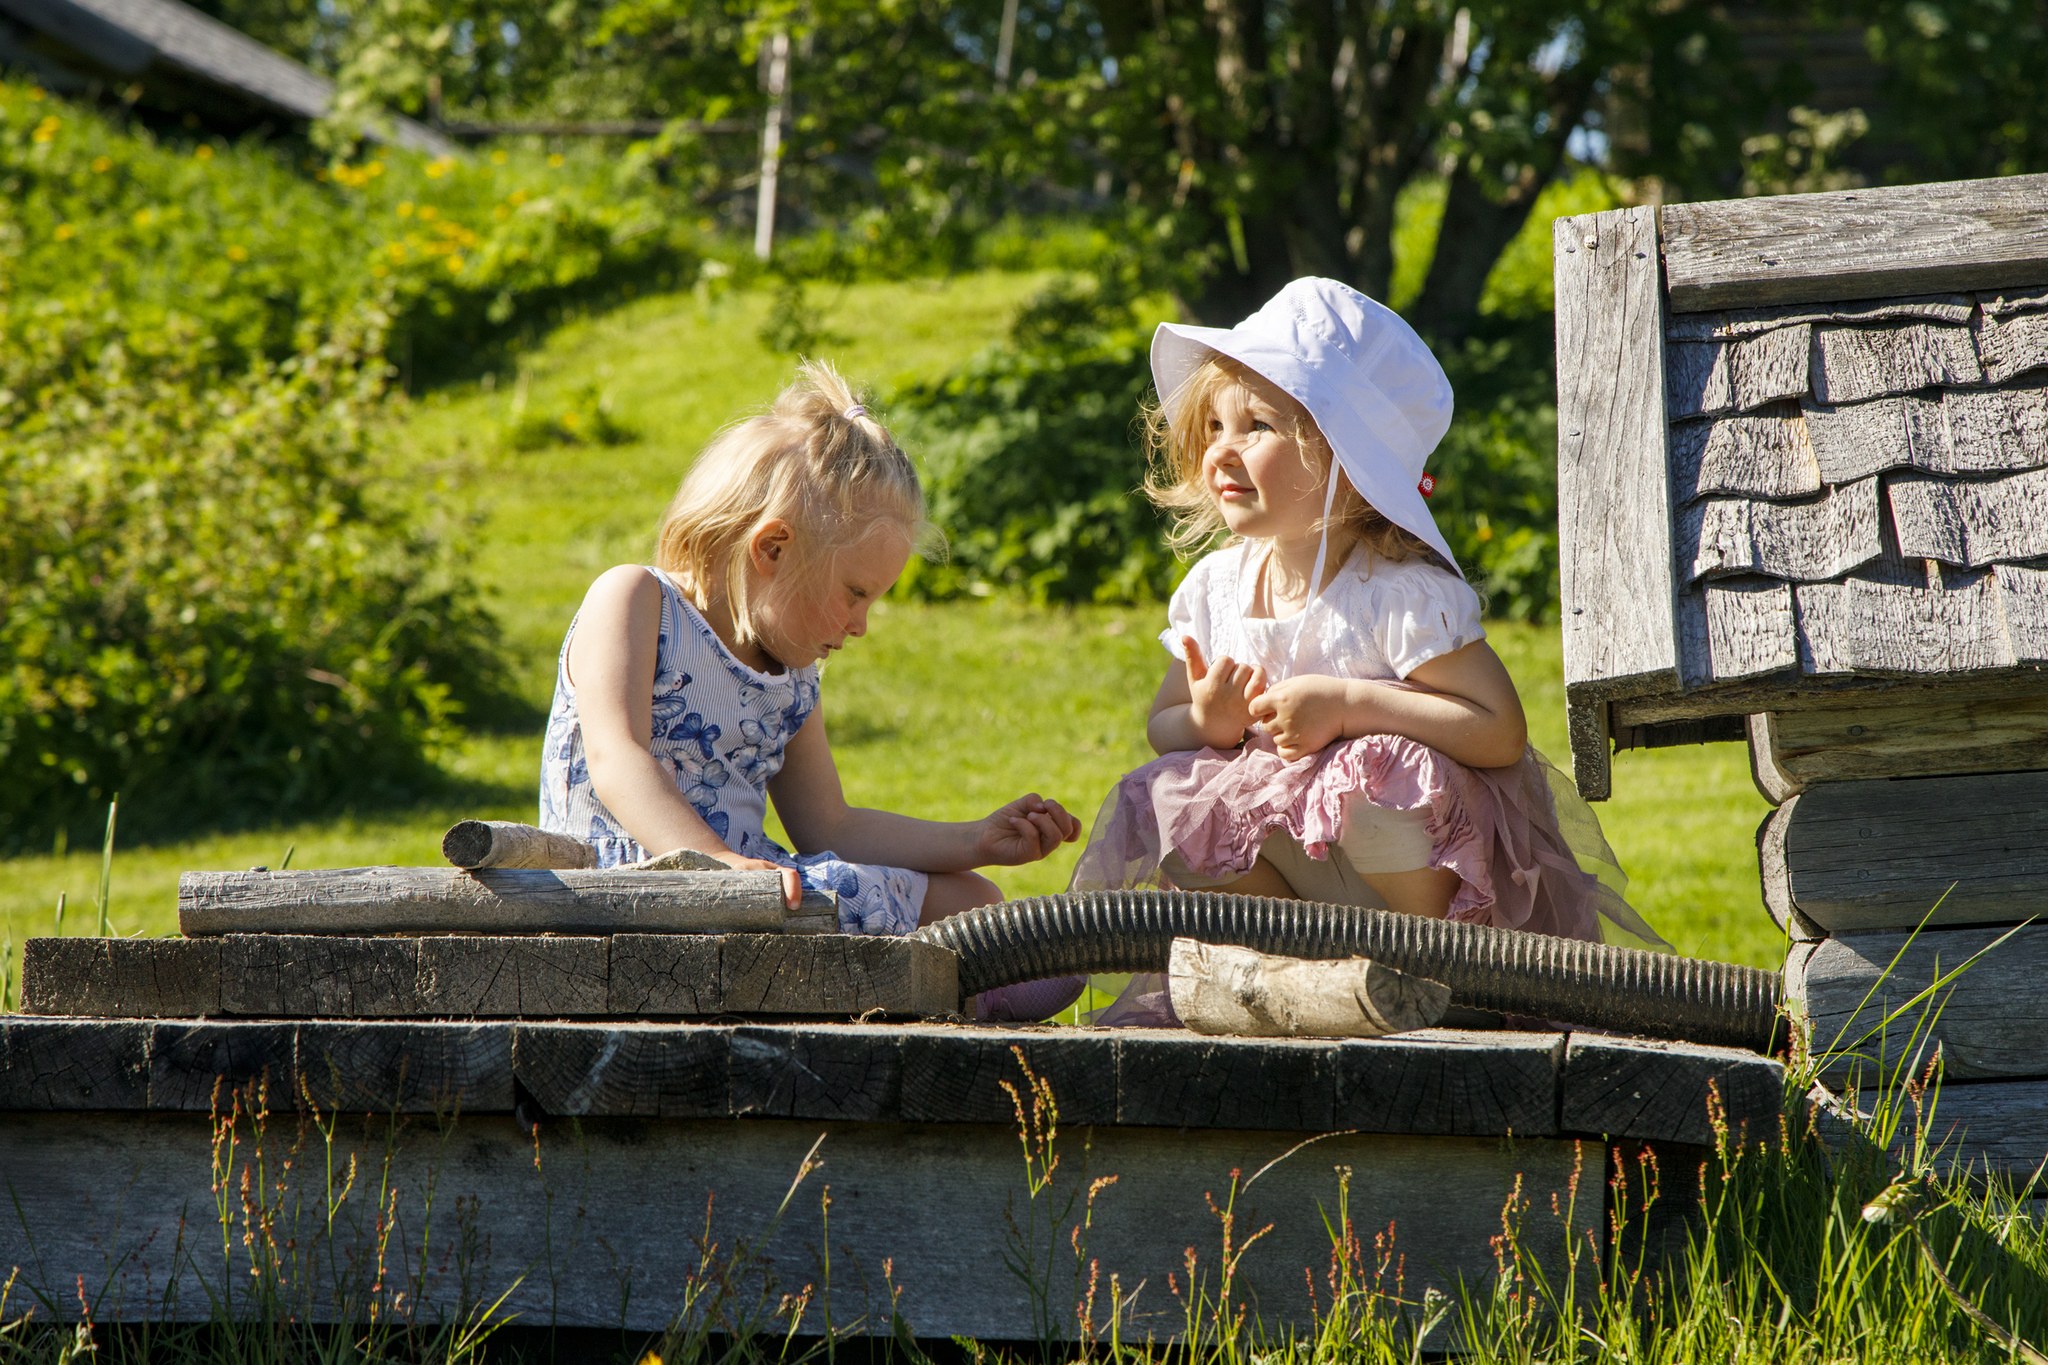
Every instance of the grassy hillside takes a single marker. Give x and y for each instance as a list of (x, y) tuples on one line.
[(943, 710)]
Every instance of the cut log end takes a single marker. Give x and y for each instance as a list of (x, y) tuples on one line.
[(475, 844), (1225, 990)]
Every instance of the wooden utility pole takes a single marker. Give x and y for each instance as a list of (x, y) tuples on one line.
[(771, 144)]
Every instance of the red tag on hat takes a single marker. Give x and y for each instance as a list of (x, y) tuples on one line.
[(1428, 484)]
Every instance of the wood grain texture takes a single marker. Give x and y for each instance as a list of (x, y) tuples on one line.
[(1614, 480), (1859, 626), (161, 978), (300, 976), (2014, 344), (836, 974), (507, 843), (1851, 364), (1741, 375), (197, 1065), (1771, 778), (1994, 430), (2023, 602), (1798, 692), (1809, 541), (1857, 244), (1997, 1128), (1737, 628), (958, 1075), (408, 1067), (1873, 1005), (1856, 440), (1738, 322), (399, 900), (2004, 303), (1220, 989), (665, 975), (1592, 747), (1776, 884), (1171, 1079), (1971, 523), (72, 1064), (575, 1225), (1886, 854), (1640, 1088), (1765, 455), (637, 1070), (1932, 737), (1462, 1083), (524, 975)]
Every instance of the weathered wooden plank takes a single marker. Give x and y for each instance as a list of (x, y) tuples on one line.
[(1857, 244), (1971, 523), (2023, 602), (1738, 322), (1859, 626), (847, 1071), (1765, 455), (2011, 345), (1774, 880), (151, 978), (534, 976), (1614, 482), (198, 1066), (1640, 1088), (836, 974), (1932, 737), (1823, 538), (1851, 364), (1176, 1080), (665, 974), (401, 900), (957, 1075), (1886, 854), (1857, 440), (1801, 693), (507, 843), (1462, 1082), (1738, 628), (1999, 1129), (579, 1070), (299, 976), (1770, 776), (396, 1067), (72, 1064), (1994, 430), (2005, 303), (1710, 377), (1858, 991), (1592, 754), (572, 1223), (1220, 989)]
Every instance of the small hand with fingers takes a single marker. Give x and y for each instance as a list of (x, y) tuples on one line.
[(1221, 695), (1303, 714), (1024, 831)]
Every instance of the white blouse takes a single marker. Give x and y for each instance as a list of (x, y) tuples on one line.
[(1375, 619)]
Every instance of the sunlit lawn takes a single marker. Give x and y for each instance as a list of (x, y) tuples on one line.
[(944, 711)]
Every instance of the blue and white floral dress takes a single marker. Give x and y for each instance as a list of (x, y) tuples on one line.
[(719, 729)]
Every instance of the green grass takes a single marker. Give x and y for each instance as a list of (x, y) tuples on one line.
[(943, 711)]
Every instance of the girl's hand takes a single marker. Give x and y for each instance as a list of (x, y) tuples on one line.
[(792, 885), (1221, 695), (1304, 714), (1023, 832)]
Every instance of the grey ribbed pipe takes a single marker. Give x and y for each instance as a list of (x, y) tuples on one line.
[(1658, 995)]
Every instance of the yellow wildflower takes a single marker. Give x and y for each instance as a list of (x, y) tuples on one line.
[(428, 213), (238, 253), (65, 232), (47, 129), (144, 217), (571, 420), (501, 213), (555, 160), (498, 158), (203, 152), (437, 169), (455, 265), (373, 170), (517, 197), (102, 164), (379, 269), (405, 208)]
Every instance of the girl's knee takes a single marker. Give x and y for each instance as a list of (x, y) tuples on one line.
[(948, 893)]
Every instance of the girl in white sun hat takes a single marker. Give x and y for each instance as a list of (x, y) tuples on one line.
[(1333, 725)]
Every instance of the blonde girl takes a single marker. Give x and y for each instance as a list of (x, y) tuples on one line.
[(687, 696)]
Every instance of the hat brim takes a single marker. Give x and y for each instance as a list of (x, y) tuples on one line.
[(1368, 461)]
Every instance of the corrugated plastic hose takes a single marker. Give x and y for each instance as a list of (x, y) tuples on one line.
[(1595, 984)]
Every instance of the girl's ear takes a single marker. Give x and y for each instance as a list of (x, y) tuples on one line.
[(768, 549)]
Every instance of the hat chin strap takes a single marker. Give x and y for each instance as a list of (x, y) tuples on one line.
[(1315, 575)]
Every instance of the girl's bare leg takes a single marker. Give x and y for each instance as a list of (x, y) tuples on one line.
[(1426, 891), (948, 893), (1263, 879)]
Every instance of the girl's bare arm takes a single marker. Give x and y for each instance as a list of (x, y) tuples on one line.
[(814, 810), (1462, 703)]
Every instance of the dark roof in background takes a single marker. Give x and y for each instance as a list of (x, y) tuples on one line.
[(75, 42)]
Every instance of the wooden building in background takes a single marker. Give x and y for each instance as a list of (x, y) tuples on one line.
[(1803, 491)]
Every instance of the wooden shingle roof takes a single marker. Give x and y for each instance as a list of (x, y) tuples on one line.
[(1775, 479), (130, 38)]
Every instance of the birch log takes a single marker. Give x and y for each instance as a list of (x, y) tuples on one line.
[(1221, 989), (506, 843)]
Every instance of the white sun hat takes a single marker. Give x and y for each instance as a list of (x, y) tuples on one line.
[(1377, 394)]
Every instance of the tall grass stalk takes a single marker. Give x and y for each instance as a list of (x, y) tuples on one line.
[(102, 902)]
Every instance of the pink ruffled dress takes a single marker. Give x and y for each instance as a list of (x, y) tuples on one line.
[(1528, 852)]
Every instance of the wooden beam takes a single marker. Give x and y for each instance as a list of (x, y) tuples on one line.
[(1894, 854), (1640, 1088), (1990, 1022), (1932, 737), (1817, 694), (567, 1223), (1857, 244), (1614, 478), (439, 900)]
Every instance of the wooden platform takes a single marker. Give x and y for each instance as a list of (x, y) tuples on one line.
[(108, 1141)]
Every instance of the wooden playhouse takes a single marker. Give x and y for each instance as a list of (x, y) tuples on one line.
[(1803, 492)]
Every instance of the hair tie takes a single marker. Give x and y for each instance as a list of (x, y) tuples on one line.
[(857, 410)]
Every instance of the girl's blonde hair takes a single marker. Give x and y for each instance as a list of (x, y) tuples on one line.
[(1176, 441), (816, 460)]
